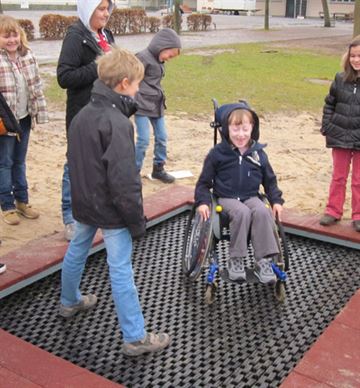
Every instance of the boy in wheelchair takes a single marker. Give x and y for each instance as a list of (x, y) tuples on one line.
[(234, 170)]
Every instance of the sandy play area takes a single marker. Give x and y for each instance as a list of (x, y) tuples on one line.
[(295, 147)]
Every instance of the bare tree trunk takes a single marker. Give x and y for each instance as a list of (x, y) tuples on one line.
[(177, 16), (1, 10), (325, 6), (357, 18), (266, 16)]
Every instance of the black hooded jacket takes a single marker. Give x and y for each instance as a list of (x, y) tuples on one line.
[(232, 175), (105, 183), (8, 117), (341, 114), (77, 69)]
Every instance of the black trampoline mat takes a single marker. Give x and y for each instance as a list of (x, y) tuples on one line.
[(245, 339)]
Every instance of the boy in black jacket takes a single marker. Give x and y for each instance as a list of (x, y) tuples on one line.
[(106, 194), (234, 169)]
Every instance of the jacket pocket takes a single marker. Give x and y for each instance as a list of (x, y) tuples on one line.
[(148, 102)]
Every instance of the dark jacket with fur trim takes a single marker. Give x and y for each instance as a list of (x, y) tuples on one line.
[(105, 183), (341, 114), (232, 175)]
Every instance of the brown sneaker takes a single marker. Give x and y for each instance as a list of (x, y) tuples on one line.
[(327, 220), (10, 217), (151, 343), (356, 225), (26, 210), (87, 302)]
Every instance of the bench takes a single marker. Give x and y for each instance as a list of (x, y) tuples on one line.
[(339, 15)]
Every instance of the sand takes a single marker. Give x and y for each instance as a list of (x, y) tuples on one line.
[(295, 147)]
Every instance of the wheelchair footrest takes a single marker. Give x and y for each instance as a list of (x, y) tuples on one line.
[(250, 277)]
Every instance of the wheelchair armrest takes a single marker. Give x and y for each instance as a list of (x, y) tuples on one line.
[(216, 217)]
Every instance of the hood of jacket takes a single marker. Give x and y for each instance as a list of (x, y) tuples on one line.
[(164, 39), (86, 8), (126, 104), (222, 118)]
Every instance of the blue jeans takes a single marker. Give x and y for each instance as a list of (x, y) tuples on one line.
[(66, 197), (143, 139), (13, 183), (118, 246)]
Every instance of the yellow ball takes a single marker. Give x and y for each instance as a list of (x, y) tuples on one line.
[(218, 208)]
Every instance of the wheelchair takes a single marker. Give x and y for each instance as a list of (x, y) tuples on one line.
[(201, 247)]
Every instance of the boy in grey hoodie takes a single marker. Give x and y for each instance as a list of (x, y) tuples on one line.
[(151, 101)]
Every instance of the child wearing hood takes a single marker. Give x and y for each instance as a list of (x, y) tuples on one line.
[(234, 170), (85, 40), (151, 101)]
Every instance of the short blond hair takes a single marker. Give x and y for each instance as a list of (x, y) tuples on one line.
[(9, 25), (237, 116), (118, 64)]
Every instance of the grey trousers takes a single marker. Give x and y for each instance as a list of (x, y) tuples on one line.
[(250, 214)]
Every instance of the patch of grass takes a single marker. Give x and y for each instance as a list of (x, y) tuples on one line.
[(55, 96), (270, 80)]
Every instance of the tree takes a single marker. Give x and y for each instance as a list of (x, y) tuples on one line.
[(327, 22), (266, 16), (1, 10), (177, 16), (357, 18)]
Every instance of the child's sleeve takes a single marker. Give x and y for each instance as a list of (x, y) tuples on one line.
[(329, 107), (205, 183), (42, 113)]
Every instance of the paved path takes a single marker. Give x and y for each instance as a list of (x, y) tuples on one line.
[(229, 29)]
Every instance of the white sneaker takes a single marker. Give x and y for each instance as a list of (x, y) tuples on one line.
[(69, 231), (264, 271), (236, 268), (2, 268)]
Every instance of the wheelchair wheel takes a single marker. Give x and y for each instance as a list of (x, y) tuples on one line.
[(198, 241), (282, 244)]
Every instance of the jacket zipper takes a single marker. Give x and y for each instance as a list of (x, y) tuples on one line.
[(355, 87)]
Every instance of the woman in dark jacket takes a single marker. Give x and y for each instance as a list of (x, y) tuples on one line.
[(341, 127), (85, 40)]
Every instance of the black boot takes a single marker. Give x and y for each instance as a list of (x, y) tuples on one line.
[(158, 172)]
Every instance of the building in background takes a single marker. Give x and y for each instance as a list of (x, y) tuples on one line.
[(287, 8)]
